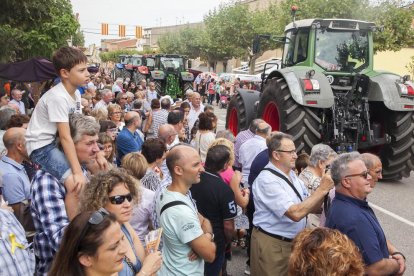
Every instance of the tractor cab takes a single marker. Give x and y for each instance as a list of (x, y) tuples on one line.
[(329, 45)]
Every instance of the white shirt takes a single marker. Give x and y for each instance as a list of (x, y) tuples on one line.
[(20, 104), (53, 107), (193, 115), (248, 152), (272, 198), (100, 104)]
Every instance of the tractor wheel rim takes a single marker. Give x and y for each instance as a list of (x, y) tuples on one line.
[(233, 122), (271, 115)]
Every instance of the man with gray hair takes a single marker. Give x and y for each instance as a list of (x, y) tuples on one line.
[(351, 214), (48, 195), (374, 166), (242, 137), (106, 98), (17, 94), (281, 206)]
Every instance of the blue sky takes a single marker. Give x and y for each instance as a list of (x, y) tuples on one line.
[(137, 12)]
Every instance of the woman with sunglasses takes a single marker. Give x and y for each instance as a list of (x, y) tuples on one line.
[(117, 192), (92, 245)]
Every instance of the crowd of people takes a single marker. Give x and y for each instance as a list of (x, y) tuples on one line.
[(100, 163)]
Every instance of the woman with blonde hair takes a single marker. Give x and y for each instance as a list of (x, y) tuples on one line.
[(117, 192), (230, 176), (115, 115), (136, 165), (100, 114), (324, 251)]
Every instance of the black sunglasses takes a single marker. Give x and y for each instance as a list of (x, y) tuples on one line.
[(119, 199), (363, 174)]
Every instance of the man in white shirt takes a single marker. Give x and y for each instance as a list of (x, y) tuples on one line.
[(107, 97), (252, 147), (196, 108), (151, 92), (17, 100)]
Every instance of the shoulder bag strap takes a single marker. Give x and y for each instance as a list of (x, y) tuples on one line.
[(171, 204), (285, 179)]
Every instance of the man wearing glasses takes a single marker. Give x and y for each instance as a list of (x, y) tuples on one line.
[(281, 205), (351, 214)]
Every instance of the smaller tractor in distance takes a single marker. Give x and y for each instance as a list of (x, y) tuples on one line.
[(133, 67), (171, 76), (327, 91)]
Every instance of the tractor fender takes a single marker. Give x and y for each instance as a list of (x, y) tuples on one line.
[(187, 76), (157, 75), (119, 66), (251, 100), (383, 88), (143, 70), (293, 75)]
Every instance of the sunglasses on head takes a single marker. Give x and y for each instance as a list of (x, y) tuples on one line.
[(95, 219), (119, 199)]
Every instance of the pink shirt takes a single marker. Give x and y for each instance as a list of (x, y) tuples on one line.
[(227, 175)]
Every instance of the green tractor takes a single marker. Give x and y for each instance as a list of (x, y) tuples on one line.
[(171, 76), (327, 91)]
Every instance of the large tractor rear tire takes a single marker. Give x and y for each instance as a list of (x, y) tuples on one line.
[(398, 156), (126, 74), (159, 87), (279, 109), (240, 110), (187, 85), (116, 73), (138, 77)]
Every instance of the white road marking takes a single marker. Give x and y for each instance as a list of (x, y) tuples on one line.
[(391, 214)]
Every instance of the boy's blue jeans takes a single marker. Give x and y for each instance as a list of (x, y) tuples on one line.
[(53, 161)]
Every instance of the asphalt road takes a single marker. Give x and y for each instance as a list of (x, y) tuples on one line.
[(392, 202)]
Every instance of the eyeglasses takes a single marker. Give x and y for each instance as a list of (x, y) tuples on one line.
[(112, 130), (115, 113), (95, 219), (124, 98), (119, 199), (292, 152), (363, 174)]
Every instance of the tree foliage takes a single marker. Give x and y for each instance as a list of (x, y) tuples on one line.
[(34, 28), (113, 56), (389, 14)]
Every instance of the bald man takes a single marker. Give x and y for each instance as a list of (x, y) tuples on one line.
[(128, 139), (167, 133), (374, 166), (16, 183), (184, 230)]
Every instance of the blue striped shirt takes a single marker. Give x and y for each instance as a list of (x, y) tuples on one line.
[(22, 261)]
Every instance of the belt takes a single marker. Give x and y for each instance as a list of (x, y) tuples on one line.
[(273, 235)]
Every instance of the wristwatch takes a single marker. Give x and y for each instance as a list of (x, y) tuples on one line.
[(212, 236)]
